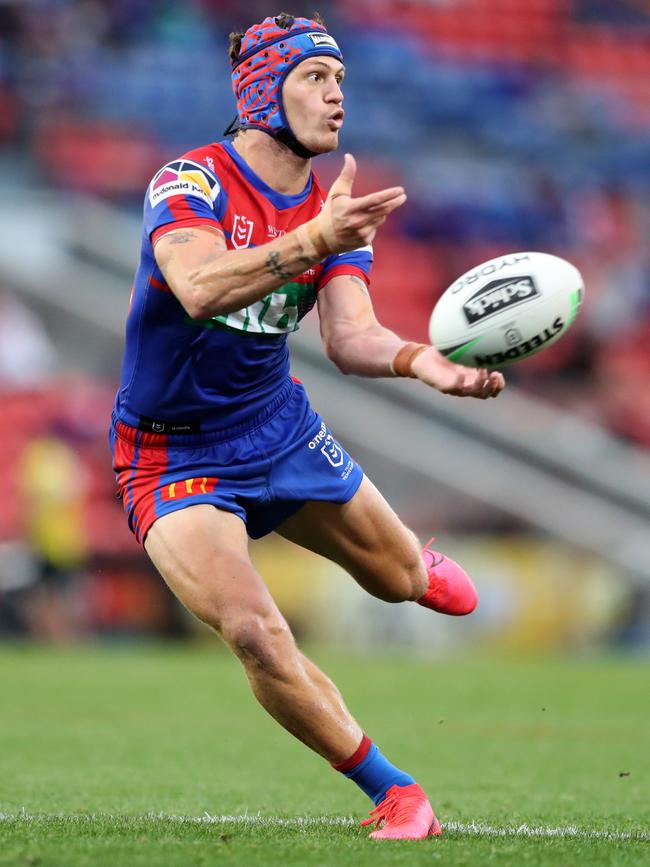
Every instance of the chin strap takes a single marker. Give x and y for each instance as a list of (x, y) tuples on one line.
[(287, 138), (233, 126)]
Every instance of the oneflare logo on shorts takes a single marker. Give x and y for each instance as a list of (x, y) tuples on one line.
[(329, 448), (183, 178)]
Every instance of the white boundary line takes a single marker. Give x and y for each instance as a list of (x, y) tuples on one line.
[(478, 830), (473, 829)]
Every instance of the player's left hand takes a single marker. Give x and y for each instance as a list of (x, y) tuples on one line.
[(432, 368)]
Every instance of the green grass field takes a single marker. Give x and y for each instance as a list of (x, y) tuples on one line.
[(160, 756)]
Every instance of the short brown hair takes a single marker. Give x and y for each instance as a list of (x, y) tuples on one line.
[(283, 20)]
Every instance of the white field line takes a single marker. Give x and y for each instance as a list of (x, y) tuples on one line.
[(473, 829), (478, 830)]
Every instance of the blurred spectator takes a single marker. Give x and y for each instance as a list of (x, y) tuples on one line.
[(27, 355), (53, 485)]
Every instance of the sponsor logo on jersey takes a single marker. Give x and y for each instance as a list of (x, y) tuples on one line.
[(183, 178), (499, 295), (527, 347), (277, 313), (323, 39), (242, 232)]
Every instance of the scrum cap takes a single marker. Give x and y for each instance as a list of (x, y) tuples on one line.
[(267, 55)]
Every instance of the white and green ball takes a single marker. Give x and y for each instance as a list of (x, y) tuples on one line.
[(506, 309)]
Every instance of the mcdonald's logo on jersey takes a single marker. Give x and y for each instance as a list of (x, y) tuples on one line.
[(188, 488), (183, 178)]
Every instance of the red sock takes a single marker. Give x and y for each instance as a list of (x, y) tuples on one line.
[(356, 758)]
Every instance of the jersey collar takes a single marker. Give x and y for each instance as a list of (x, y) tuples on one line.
[(279, 201)]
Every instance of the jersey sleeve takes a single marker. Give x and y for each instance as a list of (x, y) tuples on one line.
[(356, 263), (183, 193)]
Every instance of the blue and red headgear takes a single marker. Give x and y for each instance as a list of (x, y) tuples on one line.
[(267, 55)]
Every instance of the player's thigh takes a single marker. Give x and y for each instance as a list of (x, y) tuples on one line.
[(202, 553), (366, 538)]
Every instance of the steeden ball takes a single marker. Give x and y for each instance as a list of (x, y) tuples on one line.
[(507, 309)]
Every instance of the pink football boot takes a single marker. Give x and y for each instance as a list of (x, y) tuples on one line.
[(450, 589), (405, 814)]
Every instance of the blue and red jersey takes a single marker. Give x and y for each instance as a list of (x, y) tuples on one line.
[(183, 375)]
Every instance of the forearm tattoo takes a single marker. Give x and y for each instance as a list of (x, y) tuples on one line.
[(303, 258), (274, 266)]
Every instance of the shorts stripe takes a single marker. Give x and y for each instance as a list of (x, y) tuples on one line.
[(126, 455), (139, 477), (152, 463)]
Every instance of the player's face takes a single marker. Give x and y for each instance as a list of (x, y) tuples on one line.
[(313, 100)]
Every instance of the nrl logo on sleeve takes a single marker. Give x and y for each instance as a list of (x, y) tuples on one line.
[(499, 295), (183, 178)]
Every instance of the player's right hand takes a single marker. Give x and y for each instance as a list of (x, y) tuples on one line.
[(432, 368), (346, 223)]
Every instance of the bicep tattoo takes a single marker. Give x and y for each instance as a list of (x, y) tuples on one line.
[(182, 237), (360, 284)]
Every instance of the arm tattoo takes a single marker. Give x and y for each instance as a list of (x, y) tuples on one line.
[(303, 258), (183, 237), (275, 267), (360, 284), (217, 252)]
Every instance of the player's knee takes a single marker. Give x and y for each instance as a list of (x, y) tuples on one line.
[(263, 643)]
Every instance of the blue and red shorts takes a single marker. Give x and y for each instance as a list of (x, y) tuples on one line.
[(263, 471)]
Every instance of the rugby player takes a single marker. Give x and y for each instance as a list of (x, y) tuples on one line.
[(214, 441)]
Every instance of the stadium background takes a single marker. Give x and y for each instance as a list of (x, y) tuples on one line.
[(513, 126)]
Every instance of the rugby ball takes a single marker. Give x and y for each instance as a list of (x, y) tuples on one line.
[(506, 309)]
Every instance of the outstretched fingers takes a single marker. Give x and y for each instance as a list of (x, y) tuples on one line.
[(495, 384), (467, 382), (377, 200), (481, 383), (389, 206)]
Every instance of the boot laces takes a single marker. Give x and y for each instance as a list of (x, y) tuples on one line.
[(397, 807), (434, 562)]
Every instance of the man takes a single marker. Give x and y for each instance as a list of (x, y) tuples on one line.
[(213, 439)]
